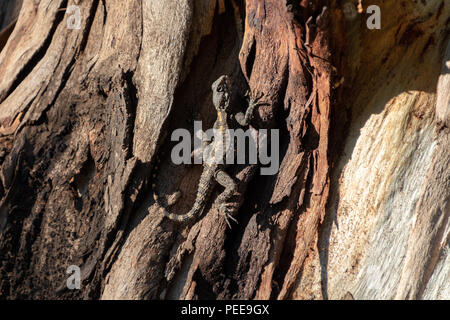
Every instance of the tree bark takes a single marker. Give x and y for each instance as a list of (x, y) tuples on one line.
[(85, 114)]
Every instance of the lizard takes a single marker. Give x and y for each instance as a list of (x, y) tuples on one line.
[(213, 168)]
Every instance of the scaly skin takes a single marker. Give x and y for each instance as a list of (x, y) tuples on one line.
[(205, 186), (213, 171)]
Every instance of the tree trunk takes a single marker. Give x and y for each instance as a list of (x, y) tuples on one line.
[(359, 206)]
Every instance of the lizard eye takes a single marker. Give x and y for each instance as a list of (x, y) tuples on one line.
[(219, 89)]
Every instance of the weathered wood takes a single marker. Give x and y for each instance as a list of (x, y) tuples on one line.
[(443, 92), (85, 113), (384, 235), (429, 233)]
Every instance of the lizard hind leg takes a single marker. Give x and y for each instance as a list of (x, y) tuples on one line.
[(230, 188)]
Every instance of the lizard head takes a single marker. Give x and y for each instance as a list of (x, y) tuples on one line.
[(221, 93)]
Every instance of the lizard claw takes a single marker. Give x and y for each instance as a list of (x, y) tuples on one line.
[(225, 210), (174, 198), (196, 154), (255, 100)]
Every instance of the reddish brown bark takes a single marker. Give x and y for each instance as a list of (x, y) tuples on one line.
[(76, 176)]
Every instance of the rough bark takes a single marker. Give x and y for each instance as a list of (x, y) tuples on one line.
[(386, 227), (85, 113)]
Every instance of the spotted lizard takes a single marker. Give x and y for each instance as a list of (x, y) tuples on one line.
[(213, 168)]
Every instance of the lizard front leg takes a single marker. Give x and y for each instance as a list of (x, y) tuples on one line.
[(230, 188), (244, 119), (198, 153)]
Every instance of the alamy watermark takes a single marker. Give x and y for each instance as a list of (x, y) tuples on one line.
[(373, 21), (349, 9), (74, 17), (216, 147), (74, 280)]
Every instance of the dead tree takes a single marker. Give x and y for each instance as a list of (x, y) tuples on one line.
[(85, 113)]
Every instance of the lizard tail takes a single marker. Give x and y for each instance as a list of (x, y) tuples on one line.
[(176, 217), (200, 201)]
